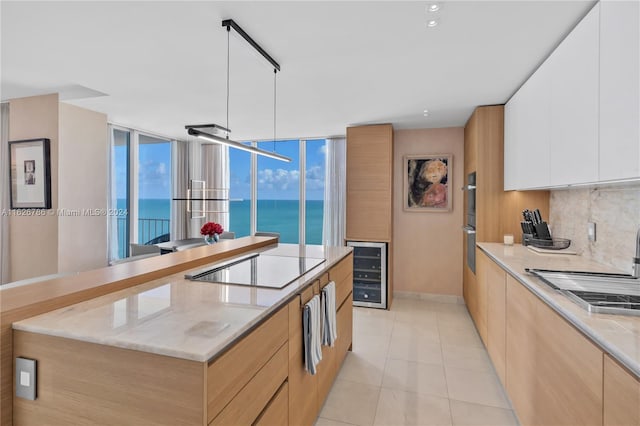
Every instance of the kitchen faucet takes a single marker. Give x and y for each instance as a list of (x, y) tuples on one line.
[(636, 260)]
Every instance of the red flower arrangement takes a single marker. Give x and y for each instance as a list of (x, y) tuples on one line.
[(211, 228)]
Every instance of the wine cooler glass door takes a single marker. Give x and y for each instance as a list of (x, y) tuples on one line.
[(369, 274)]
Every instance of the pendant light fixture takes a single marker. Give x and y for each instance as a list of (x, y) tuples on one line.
[(208, 132)]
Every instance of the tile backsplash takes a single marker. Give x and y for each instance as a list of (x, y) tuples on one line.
[(616, 212)]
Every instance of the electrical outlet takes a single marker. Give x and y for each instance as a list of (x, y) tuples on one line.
[(591, 231), (26, 378)]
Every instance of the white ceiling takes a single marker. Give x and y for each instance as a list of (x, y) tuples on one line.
[(160, 65)]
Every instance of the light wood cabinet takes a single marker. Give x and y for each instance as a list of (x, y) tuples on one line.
[(490, 312), (248, 403), (521, 346), (619, 89), (480, 312), (369, 183), (227, 375), (259, 380), (277, 412), (370, 189), (569, 373), (303, 387), (496, 317), (554, 373), (307, 392), (621, 395)]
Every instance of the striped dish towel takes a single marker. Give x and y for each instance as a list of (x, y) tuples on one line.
[(329, 329), (312, 335)]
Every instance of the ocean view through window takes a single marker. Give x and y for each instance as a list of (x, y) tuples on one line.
[(140, 190), (278, 189), (278, 203)]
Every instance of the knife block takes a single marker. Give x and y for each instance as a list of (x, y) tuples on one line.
[(526, 239)]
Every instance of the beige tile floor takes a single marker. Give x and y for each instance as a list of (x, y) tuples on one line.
[(421, 363)]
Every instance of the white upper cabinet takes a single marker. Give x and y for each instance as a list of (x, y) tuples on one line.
[(581, 108), (619, 90), (573, 154), (527, 124), (512, 136)]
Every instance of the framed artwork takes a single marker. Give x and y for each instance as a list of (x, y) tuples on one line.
[(30, 169), (427, 185)]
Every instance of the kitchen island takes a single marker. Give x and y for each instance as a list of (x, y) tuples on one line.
[(176, 351)]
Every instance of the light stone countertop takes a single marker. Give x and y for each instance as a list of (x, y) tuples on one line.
[(176, 317), (617, 335)]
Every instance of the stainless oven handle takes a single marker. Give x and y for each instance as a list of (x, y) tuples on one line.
[(469, 230), (468, 187)]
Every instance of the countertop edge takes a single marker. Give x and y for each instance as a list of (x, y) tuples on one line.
[(269, 312), (605, 345), (216, 351)]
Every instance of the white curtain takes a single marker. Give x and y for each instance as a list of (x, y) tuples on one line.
[(209, 163), (113, 202), (179, 184), (4, 194), (335, 193), (215, 173)]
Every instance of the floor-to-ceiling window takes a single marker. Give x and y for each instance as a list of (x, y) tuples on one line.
[(279, 189), (140, 190), (239, 192), (278, 183), (120, 192), (315, 153), (154, 189)]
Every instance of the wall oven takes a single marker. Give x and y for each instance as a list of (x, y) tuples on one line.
[(470, 223)]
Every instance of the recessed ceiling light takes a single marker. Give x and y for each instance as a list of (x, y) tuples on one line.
[(433, 7), (432, 23)]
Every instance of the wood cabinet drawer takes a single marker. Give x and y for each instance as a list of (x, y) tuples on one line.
[(569, 373), (303, 401), (277, 412), (324, 280), (342, 269), (247, 405), (342, 275), (345, 330), (621, 395), (326, 372), (227, 375)]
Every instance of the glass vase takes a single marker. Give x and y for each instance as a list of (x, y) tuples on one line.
[(211, 239)]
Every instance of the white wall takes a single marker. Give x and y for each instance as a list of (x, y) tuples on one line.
[(83, 158), (62, 241), (33, 240)]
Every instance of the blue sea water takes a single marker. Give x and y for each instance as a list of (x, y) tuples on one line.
[(278, 216), (273, 216)]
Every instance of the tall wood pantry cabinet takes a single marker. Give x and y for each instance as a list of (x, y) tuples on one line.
[(370, 190), (497, 212)]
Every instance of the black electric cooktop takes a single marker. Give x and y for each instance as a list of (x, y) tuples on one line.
[(258, 270)]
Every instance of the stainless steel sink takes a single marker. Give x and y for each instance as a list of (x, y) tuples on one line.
[(597, 292)]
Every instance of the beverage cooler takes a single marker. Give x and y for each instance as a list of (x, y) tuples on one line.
[(369, 274)]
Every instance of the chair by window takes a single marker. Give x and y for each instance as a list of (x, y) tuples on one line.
[(138, 249), (267, 234)]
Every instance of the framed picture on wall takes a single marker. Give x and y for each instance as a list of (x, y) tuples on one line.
[(427, 183), (30, 168)]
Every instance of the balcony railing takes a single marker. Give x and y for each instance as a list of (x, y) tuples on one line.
[(148, 230)]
